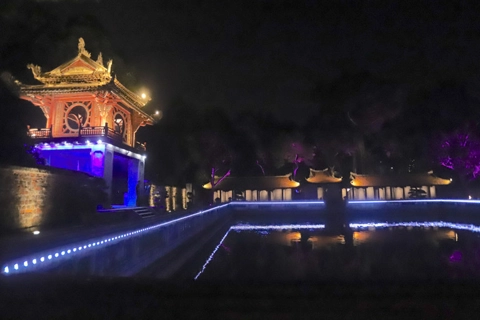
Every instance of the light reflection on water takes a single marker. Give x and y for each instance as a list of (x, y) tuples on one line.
[(387, 251)]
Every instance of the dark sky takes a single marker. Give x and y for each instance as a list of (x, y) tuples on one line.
[(271, 56)]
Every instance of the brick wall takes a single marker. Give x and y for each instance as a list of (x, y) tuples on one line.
[(32, 197)]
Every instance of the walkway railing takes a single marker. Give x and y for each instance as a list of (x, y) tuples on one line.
[(102, 131), (39, 133)]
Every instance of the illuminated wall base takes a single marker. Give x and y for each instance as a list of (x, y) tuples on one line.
[(123, 170)]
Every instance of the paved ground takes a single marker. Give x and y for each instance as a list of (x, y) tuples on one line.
[(17, 245)]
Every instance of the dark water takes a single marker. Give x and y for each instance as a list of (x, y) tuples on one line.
[(412, 251)]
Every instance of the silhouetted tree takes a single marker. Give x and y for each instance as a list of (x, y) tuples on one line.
[(290, 151), (459, 151)]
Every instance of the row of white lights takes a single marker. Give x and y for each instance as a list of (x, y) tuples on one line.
[(212, 254), (67, 146), (19, 267), (257, 227), (53, 255), (253, 203), (278, 227), (286, 203), (126, 152), (414, 201), (364, 225), (426, 224)]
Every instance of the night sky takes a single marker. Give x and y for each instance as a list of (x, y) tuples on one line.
[(274, 56), (389, 78)]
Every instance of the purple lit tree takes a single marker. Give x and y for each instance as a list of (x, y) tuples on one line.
[(218, 159), (212, 154), (292, 149), (210, 151), (260, 162), (459, 151)]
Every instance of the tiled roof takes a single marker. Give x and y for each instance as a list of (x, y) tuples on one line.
[(81, 74), (399, 180), (322, 176), (114, 87), (254, 183)]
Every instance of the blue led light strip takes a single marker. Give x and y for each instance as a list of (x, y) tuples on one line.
[(320, 202), (24, 264), (413, 201), (256, 227), (426, 224), (278, 227), (212, 254), (438, 224), (276, 203)]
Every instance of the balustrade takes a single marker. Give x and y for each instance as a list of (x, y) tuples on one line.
[(84, 132)]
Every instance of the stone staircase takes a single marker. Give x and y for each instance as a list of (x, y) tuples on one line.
[(144, 212)]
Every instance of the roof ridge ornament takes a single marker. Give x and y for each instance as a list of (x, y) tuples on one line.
[(109, 65), (100, 59), (36, 70), (81, 48)]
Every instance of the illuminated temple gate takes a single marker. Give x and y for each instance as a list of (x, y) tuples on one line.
[(92, 120)]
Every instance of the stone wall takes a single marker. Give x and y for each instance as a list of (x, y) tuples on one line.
[(23, 193), (34, 197)]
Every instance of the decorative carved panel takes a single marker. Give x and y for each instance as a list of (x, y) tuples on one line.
[(75, 115), (121, 123)]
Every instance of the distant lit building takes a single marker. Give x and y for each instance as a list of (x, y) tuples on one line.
[(393, 187), (262, 188), (323, 184), (273, 188), (91, 123)]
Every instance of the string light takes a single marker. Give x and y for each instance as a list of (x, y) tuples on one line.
[(72, 250), (39, 259)]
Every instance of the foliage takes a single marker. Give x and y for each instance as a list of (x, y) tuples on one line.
[(194, 144), (333, 150), (214, 154), (290, 149), (459, 151)]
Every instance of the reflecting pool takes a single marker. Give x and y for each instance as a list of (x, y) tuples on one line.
[(396, 251)]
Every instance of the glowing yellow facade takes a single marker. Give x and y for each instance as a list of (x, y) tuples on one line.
[(83, 98)]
